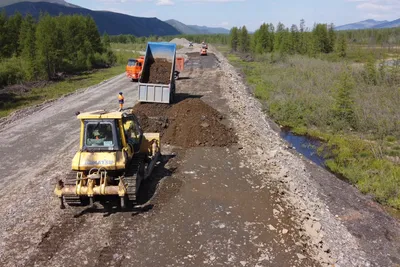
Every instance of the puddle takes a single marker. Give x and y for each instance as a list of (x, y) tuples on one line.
[(305, 146), (392, 63)]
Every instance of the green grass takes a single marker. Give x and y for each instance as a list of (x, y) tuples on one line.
[(53, 91), (303, 94), (361, 54)]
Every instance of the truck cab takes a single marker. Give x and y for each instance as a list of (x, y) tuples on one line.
[(134, 68)]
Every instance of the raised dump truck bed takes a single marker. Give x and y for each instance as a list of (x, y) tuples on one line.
[(157, 82)]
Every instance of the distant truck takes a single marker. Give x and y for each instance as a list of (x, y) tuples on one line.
[(157, 80), (134, 67)]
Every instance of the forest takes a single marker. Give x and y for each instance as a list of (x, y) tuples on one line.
[(46, 49)]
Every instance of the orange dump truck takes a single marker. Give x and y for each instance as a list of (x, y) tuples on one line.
[(134, 67)]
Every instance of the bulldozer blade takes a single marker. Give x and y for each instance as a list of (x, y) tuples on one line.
[(152, 164), (70, 190)]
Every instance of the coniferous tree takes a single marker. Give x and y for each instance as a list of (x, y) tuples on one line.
[(295, 40), (244, 40), (46, 44), (234, 39), (302, 47), (278, 36), (285, 42), (342, 46), (107, 42), (332, 39), (4, 40), (13, 31), (344, 103), (27, 44), (321, 38)]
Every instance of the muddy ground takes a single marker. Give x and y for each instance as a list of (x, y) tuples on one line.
[(250, 203)]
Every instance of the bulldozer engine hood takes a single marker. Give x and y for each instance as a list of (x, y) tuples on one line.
[(84, 161)]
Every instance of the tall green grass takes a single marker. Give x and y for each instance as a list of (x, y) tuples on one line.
[(354, 110)]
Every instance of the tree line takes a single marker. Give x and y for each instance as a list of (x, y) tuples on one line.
[(294, 40), (383, 37), (41, 49), (197, 38)]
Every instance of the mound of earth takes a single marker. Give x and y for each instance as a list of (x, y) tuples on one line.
[(180, 41), (189, 123), (160, 71)]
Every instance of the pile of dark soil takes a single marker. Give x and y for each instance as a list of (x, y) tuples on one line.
[(189, 123), (160, 72)]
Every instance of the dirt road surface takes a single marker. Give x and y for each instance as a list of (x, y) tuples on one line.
[(254, 203)]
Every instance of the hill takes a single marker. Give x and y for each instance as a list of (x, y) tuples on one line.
[(110, 22), (11, 2), (181, 27), (210, 30), (195, 29), (366, 24), (390, 24)]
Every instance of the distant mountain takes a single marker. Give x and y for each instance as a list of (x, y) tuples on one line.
[(391, 24), (194, 29), (11, 2), (110, 22), (183, 28), (210, 30), (366, 24)]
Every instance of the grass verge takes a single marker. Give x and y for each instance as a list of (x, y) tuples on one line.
[(56, 90), (356, 117)]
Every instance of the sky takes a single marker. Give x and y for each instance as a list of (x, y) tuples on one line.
[(251, 13)]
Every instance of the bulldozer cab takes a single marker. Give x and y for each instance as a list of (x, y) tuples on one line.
[(110, 132), (132, 131), (101, 135)]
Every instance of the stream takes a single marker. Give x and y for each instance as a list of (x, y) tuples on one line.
[(305, 146)]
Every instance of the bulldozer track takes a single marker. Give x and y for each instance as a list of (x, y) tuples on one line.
[(134, 175), (73, 200)]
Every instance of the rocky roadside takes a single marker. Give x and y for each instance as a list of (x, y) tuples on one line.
[(320, 229)]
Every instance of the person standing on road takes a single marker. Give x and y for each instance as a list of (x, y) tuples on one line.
[(121, 101)]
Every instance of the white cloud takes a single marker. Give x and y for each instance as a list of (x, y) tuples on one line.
[(214, 1), (164, 3), (122, 1), (224, 23), (378, 8)]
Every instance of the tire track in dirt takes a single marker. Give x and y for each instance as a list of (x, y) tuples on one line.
[(53, 239), (36, 148), (157, 191)]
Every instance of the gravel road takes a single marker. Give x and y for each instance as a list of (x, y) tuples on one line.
[(255, 203)]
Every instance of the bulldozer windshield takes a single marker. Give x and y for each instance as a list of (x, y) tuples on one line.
[(100, 135)]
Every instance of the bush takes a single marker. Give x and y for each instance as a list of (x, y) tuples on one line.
[(11, 71)]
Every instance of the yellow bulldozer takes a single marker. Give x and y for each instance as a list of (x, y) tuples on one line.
[(114, 157)]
